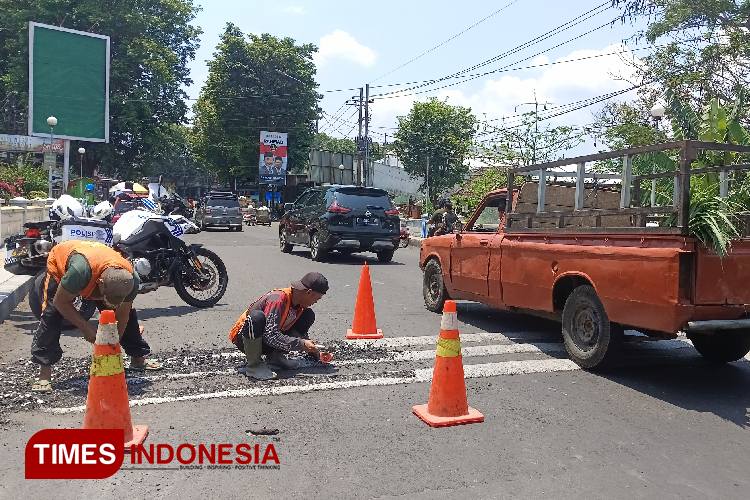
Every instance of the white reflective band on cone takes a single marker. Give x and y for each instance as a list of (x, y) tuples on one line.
[(449, 321), (107, 334)]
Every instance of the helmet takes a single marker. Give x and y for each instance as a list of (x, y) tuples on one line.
[(66, 207), (102, 210)]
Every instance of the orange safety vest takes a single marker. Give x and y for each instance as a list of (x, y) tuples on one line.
[(243, 317), (98, 255)]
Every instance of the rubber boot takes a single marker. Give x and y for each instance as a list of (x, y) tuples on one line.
[(255, 367), (279, 360)]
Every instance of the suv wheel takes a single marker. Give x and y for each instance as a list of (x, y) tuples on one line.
[(385, 255), (316, 252), (284, 244)]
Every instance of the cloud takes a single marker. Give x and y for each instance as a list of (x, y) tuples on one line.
[(558, 84), (295, 10), (343, 46)]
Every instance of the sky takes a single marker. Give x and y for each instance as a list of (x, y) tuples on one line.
[(391, 43)]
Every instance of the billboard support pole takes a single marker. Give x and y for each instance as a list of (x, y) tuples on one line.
[(66, 166)]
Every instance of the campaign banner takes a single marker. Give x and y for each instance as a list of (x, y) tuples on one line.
[(273, 157)]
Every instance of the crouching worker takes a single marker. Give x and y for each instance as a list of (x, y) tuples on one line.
[(95, 272), (277, 324)]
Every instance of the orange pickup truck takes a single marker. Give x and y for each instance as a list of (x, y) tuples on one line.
[(589, 254)]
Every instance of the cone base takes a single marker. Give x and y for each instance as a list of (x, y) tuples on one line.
[(364, 336), (473, 417), (139, 436)]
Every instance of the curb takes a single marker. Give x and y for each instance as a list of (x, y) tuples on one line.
[(12, 293)]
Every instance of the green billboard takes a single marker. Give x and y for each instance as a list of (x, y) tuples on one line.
[(68, 79)]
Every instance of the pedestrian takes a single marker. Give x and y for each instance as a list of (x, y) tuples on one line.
[(278, 323), (443, 221), (92, 271)]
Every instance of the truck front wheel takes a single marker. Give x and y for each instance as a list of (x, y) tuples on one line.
[(433, 288), (722, 347), (590, 339)]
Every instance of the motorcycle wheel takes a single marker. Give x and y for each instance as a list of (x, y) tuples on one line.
[(86, 308), (204, 292)]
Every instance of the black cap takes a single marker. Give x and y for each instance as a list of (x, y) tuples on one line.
[(312, 281)]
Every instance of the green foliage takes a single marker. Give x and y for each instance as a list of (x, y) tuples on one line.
[(325, 142), (255, 83), (474, 190), (526, 144), (151, 44), (441, 134), (703, 46), (27, 177)]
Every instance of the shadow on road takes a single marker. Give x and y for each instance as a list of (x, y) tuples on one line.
[(169, 311), (354, 259), (680, 377)]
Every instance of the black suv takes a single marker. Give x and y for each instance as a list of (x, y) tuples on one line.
[(219, 208), (344, 218)]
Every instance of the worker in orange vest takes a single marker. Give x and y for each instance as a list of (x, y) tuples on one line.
[(277, 324), (95, 272)]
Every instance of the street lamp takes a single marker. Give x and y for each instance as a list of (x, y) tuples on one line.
[(81, 152), (52, 122), (341, 169), (657, 113)]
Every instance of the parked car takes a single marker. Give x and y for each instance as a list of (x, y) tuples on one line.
[(219, 209), (125, 203), (598, 268), (347, 219)]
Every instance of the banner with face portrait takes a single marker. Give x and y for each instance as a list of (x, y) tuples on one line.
[(273, 157)]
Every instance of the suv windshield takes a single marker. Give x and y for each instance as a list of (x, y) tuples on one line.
[(222, 202), (363, 198), (126, 206)]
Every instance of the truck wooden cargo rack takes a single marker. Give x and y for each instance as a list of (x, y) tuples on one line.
[(630, 190)]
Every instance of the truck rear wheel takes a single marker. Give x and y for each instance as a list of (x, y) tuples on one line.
[(722, 347), (590, 339), (433, 288)]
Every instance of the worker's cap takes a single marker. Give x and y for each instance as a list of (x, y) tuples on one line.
[(312, 281), (116, 284)]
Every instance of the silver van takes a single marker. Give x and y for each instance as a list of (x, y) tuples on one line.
[(219, 209)]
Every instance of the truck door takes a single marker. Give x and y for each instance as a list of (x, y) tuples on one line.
[(470, 251)]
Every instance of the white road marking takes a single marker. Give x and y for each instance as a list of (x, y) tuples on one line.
[(427, 340), (421, 375)]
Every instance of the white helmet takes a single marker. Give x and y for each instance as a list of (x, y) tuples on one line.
[(102, 210), (66, 207)]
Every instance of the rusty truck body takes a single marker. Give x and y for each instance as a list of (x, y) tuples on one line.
[(590, 255)]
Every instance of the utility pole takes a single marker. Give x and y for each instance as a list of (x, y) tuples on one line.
[(359, 140), (367, 134), (427, 181)]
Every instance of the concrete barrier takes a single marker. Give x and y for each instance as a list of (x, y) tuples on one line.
[(13, 218)]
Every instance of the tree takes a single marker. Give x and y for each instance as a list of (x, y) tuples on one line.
[(705, 48), (526, 144), (151, 44), (486, 180), (325, 142), (255, 83), (440, 135)]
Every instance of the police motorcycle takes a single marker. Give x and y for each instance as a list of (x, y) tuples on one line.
[(153, 243), (68, 222), (26, 252)]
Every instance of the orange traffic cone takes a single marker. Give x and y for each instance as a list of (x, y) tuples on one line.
[(364, 326), (107, 402), (447, 404)]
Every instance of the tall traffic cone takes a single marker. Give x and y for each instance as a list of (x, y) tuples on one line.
[(107, 401), (363, 326), (447, 404)]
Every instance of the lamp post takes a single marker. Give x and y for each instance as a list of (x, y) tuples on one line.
[(341, 169), (52, 123), (657, 113), (81, 152)]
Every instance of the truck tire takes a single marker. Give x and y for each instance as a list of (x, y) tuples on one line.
[(433, 287), (722, 347), (591, 341)]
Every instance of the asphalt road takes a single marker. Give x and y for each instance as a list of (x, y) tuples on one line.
[(663, 424)]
